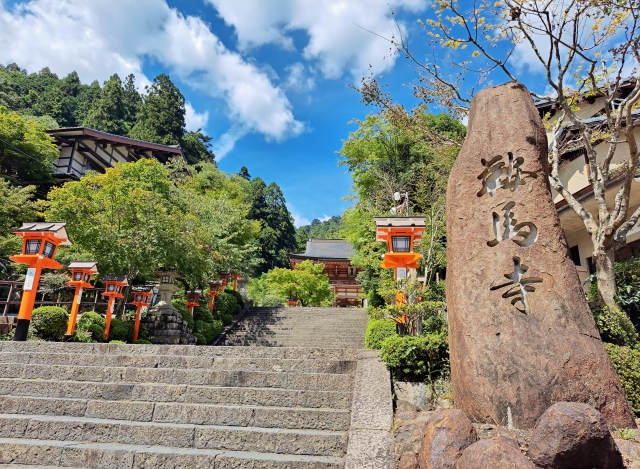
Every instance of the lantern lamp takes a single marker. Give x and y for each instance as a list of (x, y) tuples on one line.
[(39, 246), (81, 273), (192, 299), (235, 281), (141, 299), (225, 277), (400, 234), (215, 287), (112, 290)]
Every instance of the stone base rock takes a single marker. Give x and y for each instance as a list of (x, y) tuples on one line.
[(166, 326), (495, 453), (572, 435), (446, 435)]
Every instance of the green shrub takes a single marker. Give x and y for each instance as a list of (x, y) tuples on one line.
[(377, 331), (614, 325), (49, 322), (418, 358), (226, 319), (271, 301), (432, 324), (202, 314), (209, 330), (120, 330), (82, 336), (93, 323), (191, 323), (117, 342), (200, 339), (436, 292), (180, 305), (626, 362), (238, 297), (377, 313), (142, 341), (226, 304), (374, 300)]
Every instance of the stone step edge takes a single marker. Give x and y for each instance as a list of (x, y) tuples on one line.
[(135, 423), (181, 451), (193, 404), (198, 386), (102, 367)]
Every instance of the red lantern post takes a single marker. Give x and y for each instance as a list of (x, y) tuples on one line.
[(113, 289), (192, 299), (214, 290), (141, 299), (41, 241), (235, 281), (226, 278), (81, 273)]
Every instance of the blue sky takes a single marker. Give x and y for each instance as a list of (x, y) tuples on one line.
[(267, 79)]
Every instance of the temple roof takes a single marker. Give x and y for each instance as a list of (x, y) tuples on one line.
[(326, 249)]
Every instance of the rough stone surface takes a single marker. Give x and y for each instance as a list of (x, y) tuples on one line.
[(166, 326), (446, 435), (415, 393), (494, 453), (521, 335), (630, 450), (570, 435), (408, 461), (370, 439)]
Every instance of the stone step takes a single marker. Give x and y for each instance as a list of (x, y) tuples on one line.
[(181, 413), (236, 378), (99, 455), (229, 438), (321, 353), (151, 392), (182, 362)]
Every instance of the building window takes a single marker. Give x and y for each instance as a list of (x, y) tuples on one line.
[(33, 246), (352, 271), (401, 243), (574, 253), (591, 266)]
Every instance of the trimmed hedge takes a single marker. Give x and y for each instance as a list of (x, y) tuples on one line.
[(49, 322), (93, 323), (239, 300), (626, 362), (377, 331), (614, 325), (416, 358)]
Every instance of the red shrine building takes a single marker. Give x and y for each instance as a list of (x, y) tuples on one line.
[(334, 254)]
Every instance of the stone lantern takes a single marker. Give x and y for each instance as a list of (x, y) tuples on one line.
[(40, 243), (164, 321), (81, 273), (141, 299), (114, 284), (192, 299)]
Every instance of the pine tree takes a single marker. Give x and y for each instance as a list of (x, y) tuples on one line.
[(132, 101), (108, 112), (161, 116)]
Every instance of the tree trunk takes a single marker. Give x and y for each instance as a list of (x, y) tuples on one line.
[(605, 275)]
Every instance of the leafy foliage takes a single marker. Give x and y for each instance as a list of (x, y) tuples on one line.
[(418, 358), (121, 330), (626, 362), (377, 331), (49, 322), (306, 283), (91, 322), (16, 206), (325, 229)]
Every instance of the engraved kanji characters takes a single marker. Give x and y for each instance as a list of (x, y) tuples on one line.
[(519, 286), (523, 234), (498, 174)]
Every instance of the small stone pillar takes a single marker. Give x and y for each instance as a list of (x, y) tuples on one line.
[(521, 335), (163, 319), (242, 288)]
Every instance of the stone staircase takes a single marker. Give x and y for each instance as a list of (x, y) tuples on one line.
[(124, 406), (299, 327)]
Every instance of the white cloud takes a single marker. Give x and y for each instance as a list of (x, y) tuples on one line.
[(299, 79), (325, 218), (339, 37), (193, 120), (117, 35)]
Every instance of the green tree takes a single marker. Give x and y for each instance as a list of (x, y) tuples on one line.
[(244, 173), (16, 206), (161, 116), (196, 147), (125, 218), (277, 235), (108, 113), (132, 101), (306, 283), (26, 151), (87, 96)]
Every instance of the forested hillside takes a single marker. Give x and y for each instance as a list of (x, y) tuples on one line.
[(327, 229), (115, 107)]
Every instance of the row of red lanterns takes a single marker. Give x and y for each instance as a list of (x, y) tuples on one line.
[(40, 244)]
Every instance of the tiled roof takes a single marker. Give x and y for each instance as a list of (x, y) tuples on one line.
[(327, 249)]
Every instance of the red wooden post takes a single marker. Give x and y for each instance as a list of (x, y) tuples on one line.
[(81, 273), (113, 289), (141, 299)]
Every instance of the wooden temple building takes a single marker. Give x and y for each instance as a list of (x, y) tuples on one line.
[(83, 149), (334, 254)]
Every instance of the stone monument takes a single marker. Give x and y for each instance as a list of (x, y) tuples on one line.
[(163, 319), (520, 330)]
